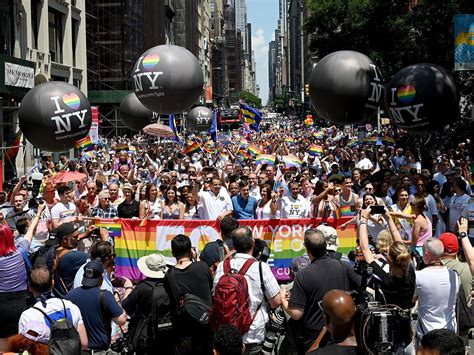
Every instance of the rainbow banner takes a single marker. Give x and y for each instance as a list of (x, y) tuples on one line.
[(254, 149), (291, 161), (120, 147), (113, 228), (84, 144), (192, 148), (316, 150), (265, 159), (285, 238), (289, 140)]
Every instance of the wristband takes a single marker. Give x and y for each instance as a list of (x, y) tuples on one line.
[(462, 235)]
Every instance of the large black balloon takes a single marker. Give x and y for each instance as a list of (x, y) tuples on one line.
[(133, 114), (199, 119), (167, 79), (422, 97), (54, 115), (345, 87)]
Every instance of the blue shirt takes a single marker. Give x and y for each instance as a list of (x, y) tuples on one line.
[(244, 209), (97, 325)]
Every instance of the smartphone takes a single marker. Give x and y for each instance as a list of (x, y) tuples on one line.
[(377, 209)]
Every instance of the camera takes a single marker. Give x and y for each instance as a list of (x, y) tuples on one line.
[(275, 329)]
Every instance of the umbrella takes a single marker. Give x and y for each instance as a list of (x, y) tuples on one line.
[(67, 176), (159, 130)]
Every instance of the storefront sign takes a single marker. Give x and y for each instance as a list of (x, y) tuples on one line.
[(19, 75)]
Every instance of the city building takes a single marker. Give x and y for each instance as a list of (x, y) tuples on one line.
[(39, 41)]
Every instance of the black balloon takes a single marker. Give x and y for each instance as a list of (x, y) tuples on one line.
[(199, 119), (167, 79), (422, 97), (133, 114), (54, 115), (345, 87)]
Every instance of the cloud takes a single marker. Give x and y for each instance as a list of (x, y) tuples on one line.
[(260, 48)]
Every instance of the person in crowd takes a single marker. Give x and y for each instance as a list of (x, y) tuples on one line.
[(436, 291), (138, 302), (356, 180), (129, 207), (257, 273), (433, 188), (31, 338), (65, 210), (266, 207), (104, 209), (339, 317), (421, 229), (98, 308), (228, 341), (243, 204), (441, 342), (312, 283), (115, 198), (234, 189), (191, 207), (193, 277), (254, 188), (457, 203), (216, 203), (91, 193), (17, 212), (150, 207), (48, 307), (14, 277), (443, 167), (323, 200), (431, 210), (332, 242), (294, 205), (381, 192), (399, 210), (171, 207), (347, 201)]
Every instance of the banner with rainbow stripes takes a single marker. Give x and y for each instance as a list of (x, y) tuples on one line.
[(285, 238), (84, 144), (315, 150)]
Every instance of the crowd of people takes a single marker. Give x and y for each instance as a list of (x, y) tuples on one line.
[(412, 210)]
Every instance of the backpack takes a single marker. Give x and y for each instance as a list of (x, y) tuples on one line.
[(64, 337), (188, 306), (231, 298), (143, 329)]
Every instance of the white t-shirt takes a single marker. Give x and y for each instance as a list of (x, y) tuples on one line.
[(214, 205), (255, 192), (290, 207), (456, 206), (365, 164), (64, 212), (437, 290), (54, 310)]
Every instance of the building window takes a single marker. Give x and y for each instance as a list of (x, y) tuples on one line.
[(75, 31), (77, 83), (34, 23), (6, 27), (55, 27), (59, 78)]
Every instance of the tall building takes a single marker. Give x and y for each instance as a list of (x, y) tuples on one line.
[(272, 68), (241, 22), (220, 82), (39, 41), (233, 51), (205, 48), (117, 33)]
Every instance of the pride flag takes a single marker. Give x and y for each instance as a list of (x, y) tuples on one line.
[(370, 140), (114, 229), (388, 140), (289, 140), (120, 147), (243, 142), (85, 144), (344, 211), (318, 135), (265, 159), (192, 148), (251, 116), (315, 150), (291, 161), (254, 149)]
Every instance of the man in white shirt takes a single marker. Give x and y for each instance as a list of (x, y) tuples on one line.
[(364, 163), (457, 203), (254, 188), (243, 245), (65, 210), (216, 203), (56, 309), (436, 289), (443, 168), (295, 205)]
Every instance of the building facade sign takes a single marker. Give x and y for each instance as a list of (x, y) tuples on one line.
[(19, 75)]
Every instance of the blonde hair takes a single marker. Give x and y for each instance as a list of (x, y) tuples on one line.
[(399, 254), (384, 241)]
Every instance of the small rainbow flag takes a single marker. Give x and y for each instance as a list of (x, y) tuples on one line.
[(114, 229), (192, 148), (224, 155), (388, 140), (316, 150), (289, 140), (243, 142), (353, 142), (120, 147), (85, 144), (318, 135), (291, 161), (265, 159), (370, 140), (254, 149), (132, 150)]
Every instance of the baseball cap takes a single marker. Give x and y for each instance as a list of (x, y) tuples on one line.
[(330, 234), (153, 266), (450, 243), (35, 330), (299, 263), (62, 231), (93, 270)]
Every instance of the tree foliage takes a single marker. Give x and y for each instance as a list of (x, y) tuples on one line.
[(250, 99)]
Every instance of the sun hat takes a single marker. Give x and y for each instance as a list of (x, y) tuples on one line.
[(153, 266)]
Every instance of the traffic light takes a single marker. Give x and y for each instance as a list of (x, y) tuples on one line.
[(306, 89)]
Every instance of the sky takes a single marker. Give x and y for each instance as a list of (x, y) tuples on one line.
[(263, 15)]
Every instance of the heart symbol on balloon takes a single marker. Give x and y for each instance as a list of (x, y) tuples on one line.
[(406, 94), (72, 100), (150, 61)]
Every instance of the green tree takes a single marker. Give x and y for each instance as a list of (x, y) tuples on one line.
[(250, 99)]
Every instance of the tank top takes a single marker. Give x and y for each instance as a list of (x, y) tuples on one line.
[(347, 208), (424, 234), (168, 215)]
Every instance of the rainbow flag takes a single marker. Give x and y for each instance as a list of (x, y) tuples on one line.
[(192, 148), (353, 142), (291, 161), (254, 149), (114, 229), (344, 211), (243, 142), (388, 140), (224, 155), (370, 140), (265, 159), (316, 150), (120, 147), (132, 150), (85, 144), (289, 140), (318, 135)]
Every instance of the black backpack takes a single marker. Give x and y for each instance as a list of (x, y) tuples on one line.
[(144, 329), (64, 338)]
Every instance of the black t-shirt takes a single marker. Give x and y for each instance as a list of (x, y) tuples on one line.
[(310, 286), (128, 210), (97, 324), (398, 291), (336, 349)]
